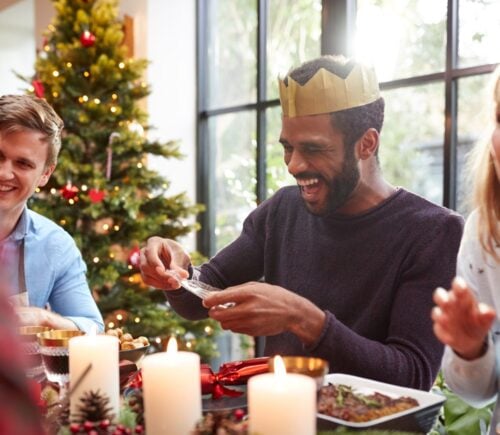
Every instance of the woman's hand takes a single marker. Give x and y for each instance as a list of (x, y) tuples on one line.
[(460, 321)]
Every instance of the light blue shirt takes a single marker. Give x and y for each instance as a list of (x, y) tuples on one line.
[(54, 272)]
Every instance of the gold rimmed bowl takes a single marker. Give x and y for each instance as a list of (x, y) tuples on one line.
[(57, 337), (29, 333), (316, 368)]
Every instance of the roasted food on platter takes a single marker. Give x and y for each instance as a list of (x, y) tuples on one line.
[(128, 342), (344, 402)]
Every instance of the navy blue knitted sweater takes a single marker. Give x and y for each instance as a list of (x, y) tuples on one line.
[(373, 274)]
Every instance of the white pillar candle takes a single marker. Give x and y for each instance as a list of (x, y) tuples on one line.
[(281, 403), (102, 352), (172, 391)]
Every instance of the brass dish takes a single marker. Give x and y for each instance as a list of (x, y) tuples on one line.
[(57, 337), (316, 368), (29, 333)]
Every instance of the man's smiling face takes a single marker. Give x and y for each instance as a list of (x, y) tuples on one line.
[(315, 155), (23, 157)]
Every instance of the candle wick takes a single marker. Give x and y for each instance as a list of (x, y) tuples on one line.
[(79, 380)]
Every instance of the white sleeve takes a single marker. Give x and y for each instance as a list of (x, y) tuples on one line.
[(474, 381)]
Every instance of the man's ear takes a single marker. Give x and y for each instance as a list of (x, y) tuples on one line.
[(367, 145), (47, 172)]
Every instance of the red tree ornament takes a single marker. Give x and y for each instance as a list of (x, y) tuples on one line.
[(96, 195), (87, 38), (39, 88), (134, 257), (69, 191)]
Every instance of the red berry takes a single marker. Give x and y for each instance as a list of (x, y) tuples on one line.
[(88, 426), (239, 414), (139, 429), (104, 424), (74, 427)]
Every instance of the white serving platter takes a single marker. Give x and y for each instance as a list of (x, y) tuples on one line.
[(419, 418)]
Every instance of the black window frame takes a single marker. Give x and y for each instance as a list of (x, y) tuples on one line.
[(337, 23)]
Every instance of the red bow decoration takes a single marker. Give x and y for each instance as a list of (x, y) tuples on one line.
[(38, 88), (136, 380), (231, 373), (96, 195)]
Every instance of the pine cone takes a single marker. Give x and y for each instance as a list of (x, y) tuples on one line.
[(136, 403), (94, 407)]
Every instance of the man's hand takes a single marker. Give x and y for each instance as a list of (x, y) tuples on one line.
[(159, 258), (460, 321), (264, 309), (34, 316)]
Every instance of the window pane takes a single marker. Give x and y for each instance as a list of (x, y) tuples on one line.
[(402, 38), (478, 43), (276, 170), (475, 117), (294, 36), (232, 60), (235, 172), (411, 146)]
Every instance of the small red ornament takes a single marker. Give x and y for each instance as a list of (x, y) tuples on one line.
[(88, 426), (104, 424), (75, 427), (134, 258), (39, 88), (96, 195), (69, 191), (239, 414), (87, 38)]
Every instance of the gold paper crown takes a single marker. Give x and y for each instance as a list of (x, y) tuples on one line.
[(326, 92)]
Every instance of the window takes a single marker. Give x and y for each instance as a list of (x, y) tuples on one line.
[(431, 57)]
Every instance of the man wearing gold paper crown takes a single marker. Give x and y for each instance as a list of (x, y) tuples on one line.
[(349, 262)]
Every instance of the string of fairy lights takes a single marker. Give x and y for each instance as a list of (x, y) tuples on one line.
[(73, 193), (87, 39)]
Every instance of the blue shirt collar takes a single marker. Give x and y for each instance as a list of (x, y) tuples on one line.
[(21, 228)]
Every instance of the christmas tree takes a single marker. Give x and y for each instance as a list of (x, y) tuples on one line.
[(102, 191)]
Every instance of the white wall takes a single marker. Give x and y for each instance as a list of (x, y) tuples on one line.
[(17, 44), (171, 36)]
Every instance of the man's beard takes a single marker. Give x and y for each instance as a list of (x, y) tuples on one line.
[(342, 185)]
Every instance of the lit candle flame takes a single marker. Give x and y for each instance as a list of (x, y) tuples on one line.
[(172, 346), (279, 367)]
